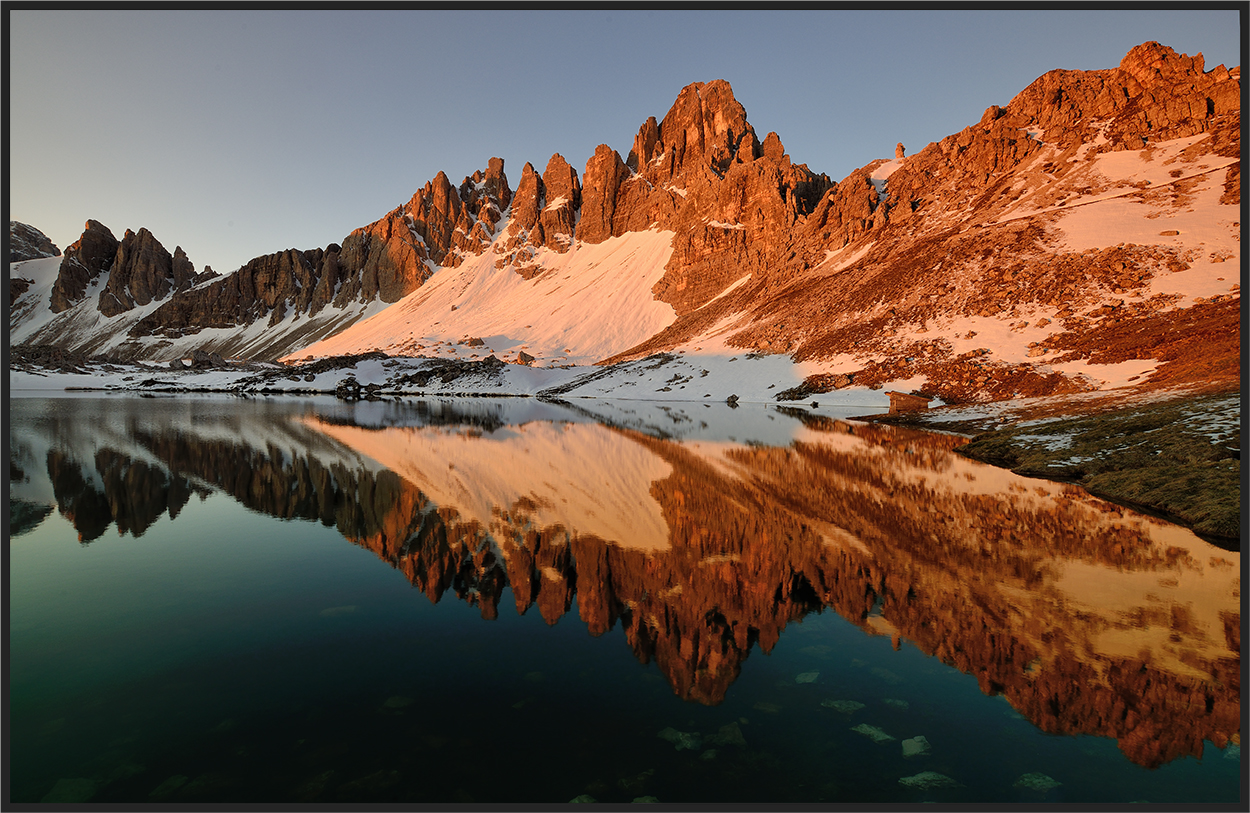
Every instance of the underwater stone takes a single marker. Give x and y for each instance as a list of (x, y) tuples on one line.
[(898, 704), (806, 677), (332, 612), (927, 780), (643, 800), (729, 734), (709, 754), (872, 732), (1233, 752), (1036, 781), (585, 798), (917, 746), (681, 740), (844, 706), (70, 791)]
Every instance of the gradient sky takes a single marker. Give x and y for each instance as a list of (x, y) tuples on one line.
[(241, 133)]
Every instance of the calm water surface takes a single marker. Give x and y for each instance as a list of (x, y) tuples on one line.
[(301, 600)]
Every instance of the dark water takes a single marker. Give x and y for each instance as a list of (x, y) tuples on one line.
[(226, 600)]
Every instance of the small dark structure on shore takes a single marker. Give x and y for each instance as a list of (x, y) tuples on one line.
[(902, 402)]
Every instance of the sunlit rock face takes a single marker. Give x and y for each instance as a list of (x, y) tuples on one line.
[(1088, 617)]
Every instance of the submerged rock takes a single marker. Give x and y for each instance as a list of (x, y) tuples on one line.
[(332, 612), (927, 780), (729, 734), (70, 791), (643, 800), (397, 703), (872, 732), (709, 754), (806, 677), (844, 706), (1036, 781), (585, 798), (1233, 752), (917, 746), (681, 740), (898, 704)]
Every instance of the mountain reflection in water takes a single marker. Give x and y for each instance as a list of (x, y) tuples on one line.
[(1088, 617)]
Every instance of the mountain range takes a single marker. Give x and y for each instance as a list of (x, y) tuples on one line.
[(1083, 236)]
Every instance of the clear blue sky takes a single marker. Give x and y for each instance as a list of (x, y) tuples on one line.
[(240, 133)]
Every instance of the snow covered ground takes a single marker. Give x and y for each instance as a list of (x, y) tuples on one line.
[(588, 303)]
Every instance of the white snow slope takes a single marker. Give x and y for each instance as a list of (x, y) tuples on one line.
[(587, 304)]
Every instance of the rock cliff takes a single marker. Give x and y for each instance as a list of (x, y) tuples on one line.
[(28, 243), (84, 261)]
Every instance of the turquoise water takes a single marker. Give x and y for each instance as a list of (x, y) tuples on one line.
[(256, 648)]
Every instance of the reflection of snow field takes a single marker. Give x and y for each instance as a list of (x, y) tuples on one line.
[(584, 477)]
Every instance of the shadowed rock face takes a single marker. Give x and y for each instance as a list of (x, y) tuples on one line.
[(28, 243), (1089, 618), (87, 258), (143, 271), (386, 260)]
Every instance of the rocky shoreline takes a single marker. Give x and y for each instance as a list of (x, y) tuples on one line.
[(1176, 454)]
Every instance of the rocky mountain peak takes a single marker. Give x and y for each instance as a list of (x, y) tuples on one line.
[(644, 145), (143, 271), (1153, 64), (704, 125), (84, 260), (28, 243), (563, 198)]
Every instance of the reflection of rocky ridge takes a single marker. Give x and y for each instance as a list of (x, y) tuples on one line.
[(134, 494), (1090, 619)]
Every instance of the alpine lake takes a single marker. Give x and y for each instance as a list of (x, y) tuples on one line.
[(239, 601)]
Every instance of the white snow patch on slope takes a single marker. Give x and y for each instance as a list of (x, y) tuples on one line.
[(586, 304), (843, 262), (884, 171), (30, 311), (1208, 231)]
